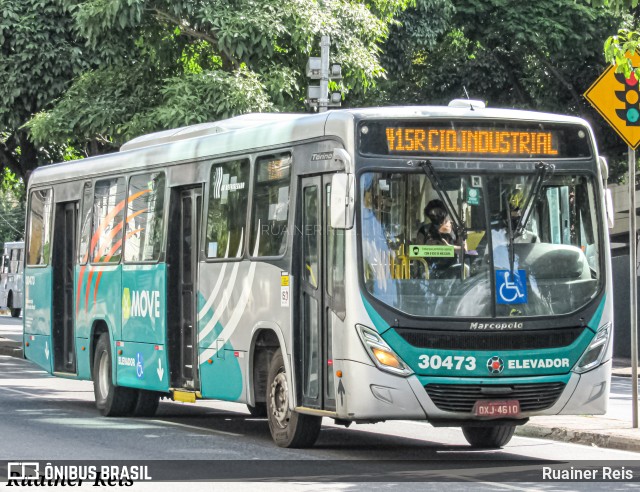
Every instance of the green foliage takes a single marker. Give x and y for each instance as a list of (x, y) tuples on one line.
[(198, 98), (620, 49), (12, 207), (39, 57), (616, 5), (169, 63)]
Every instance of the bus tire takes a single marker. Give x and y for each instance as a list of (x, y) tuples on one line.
[(289, 429), (111, 400), (15, 312), (146, 404), (489, 436), (259, 410)]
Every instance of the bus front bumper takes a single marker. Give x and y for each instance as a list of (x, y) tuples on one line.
[(390, 397)]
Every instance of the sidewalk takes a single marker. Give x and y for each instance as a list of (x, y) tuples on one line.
[(601, 431)]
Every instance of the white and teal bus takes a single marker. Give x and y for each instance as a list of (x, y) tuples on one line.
[(280, 261), (11, 282)]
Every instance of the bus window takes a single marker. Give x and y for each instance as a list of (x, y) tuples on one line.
[(85, 233), (271, 205), (335, 263), (39, 227), (309, 231), (143, 238), (227, 215), (108, 211)]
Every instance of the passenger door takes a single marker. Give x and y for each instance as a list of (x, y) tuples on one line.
[(315, 366)]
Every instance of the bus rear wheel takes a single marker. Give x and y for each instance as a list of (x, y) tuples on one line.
[(289, 429), (111, 400), (488, 436)]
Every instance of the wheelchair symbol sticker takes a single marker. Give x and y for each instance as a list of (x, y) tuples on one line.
[(511, 288), (139, 366)]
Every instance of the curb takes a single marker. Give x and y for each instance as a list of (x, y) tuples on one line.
[(597, 439)]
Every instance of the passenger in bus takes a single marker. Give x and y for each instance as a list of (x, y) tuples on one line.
[(375, 247), (439, 232)]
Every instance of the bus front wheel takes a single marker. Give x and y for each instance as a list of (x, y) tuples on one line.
[(488, 436), (289, 429), (111, 400)]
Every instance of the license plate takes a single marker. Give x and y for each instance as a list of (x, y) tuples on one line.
[(496, 409)]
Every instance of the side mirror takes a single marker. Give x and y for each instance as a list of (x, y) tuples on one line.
[(342, 200), (604, 169), (608, 206)]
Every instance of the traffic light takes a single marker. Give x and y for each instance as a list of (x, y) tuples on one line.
[(631, 99), (318, 68)]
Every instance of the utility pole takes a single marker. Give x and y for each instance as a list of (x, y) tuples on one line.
[(318, 68)]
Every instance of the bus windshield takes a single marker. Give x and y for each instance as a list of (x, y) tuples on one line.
[(486, 245)]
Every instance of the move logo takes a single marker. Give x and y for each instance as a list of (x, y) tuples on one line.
[(140, 304)]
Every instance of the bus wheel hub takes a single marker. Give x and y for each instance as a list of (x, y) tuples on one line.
[(280, 400)]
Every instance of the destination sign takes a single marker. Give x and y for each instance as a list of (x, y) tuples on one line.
[(487, 139), (472, 141)]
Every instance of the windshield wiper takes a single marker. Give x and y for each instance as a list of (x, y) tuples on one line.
[(543, 171)]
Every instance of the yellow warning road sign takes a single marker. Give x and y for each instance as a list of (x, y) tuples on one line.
[(617, 99)]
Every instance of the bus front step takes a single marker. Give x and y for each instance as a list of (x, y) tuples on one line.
[(184, 396)]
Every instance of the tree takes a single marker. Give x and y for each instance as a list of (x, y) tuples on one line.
[(12, 208), (39, 56), (179, 62)]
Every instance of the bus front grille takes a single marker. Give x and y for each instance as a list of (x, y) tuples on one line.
[(462, 397), (516, 340)]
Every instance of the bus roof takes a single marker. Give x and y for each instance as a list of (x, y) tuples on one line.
[(257, 131)]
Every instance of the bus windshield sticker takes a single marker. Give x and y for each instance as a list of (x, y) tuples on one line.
[(429, 251), (473, 196), (511, 287)]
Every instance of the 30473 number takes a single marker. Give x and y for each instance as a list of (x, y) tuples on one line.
[(456, 362)]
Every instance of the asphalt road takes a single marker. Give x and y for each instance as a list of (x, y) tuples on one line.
[(47, 418)]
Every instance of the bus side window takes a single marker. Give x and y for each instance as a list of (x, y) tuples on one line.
[(39, 234), (144, 224), (271, 205), (85, 224), (108, 208), (335, 263), (227, 214)]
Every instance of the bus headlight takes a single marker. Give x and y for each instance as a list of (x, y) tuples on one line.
[(381, 354), (596, 351)]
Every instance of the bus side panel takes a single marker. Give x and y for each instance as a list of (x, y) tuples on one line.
[(82, 358), (143, 362), (231, 301), (98, 292), (220, 294), (37, 316)]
